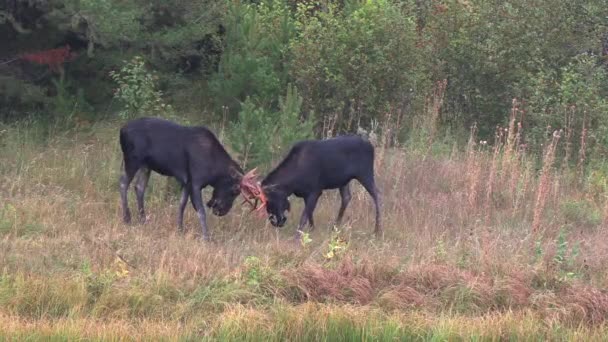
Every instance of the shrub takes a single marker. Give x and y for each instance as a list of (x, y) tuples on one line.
[(573, 99), (261, 136), (252, 63), (249, 136), (355, 64), (137, 90)]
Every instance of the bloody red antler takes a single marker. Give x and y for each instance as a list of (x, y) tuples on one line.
[(251, 189)]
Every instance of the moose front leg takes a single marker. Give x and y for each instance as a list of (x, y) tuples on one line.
[(310, 202), (182, 206), (197, 203)]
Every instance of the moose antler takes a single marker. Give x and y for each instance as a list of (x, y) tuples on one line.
[(251, 189)]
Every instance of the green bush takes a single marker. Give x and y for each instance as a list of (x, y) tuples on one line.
[(572, 98), (261, 136), (252, 63), (491, 52), (137, 90), (355, 65), (250, 134), (17, 95)]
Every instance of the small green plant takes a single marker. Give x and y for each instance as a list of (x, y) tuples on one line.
[(464, 258), (538, 250), (253, 270), (66, 104), (565, 256), (98, 283), (8, 218), (10, 223), (137, 90), (596, 184), (305, 239), (440, 251), (581, 213), (337, 246), (259, 277)]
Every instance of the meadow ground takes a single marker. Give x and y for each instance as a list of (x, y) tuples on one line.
[(480, 244)]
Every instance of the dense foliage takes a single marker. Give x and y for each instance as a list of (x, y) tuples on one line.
[(353, 62)]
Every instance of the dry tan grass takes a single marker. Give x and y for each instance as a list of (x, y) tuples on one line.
[(308, 321), (65, 253), (70, 329)]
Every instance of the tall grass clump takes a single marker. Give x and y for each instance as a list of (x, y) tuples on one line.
[(545, 181)]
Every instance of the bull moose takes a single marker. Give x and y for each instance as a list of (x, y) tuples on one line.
[(192, 155), (312, 166)]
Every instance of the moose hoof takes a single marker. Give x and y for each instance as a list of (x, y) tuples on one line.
[(379, 234), (297, 238)]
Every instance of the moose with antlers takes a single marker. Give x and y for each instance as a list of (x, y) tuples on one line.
[(312, 166), (192, 155)]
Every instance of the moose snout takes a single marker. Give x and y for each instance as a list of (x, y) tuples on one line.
[(217, 208), (277, 221), (217, 211)]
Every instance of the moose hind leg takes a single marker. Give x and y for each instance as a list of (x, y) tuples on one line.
[(125, 180), (369, 185), (345, 197), (140, 189)]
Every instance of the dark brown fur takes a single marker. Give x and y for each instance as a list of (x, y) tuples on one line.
[(192, 155), (316, 165)]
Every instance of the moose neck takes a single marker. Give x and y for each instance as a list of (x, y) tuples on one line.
[(231, 173), (280, 178)]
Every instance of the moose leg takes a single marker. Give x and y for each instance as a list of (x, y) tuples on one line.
[(310, 202), (125, 180), (197, 203), (345, 196), (369, 185), (182, 206), (140, 188)]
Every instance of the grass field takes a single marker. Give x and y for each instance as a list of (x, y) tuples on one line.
[(483, 244)]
